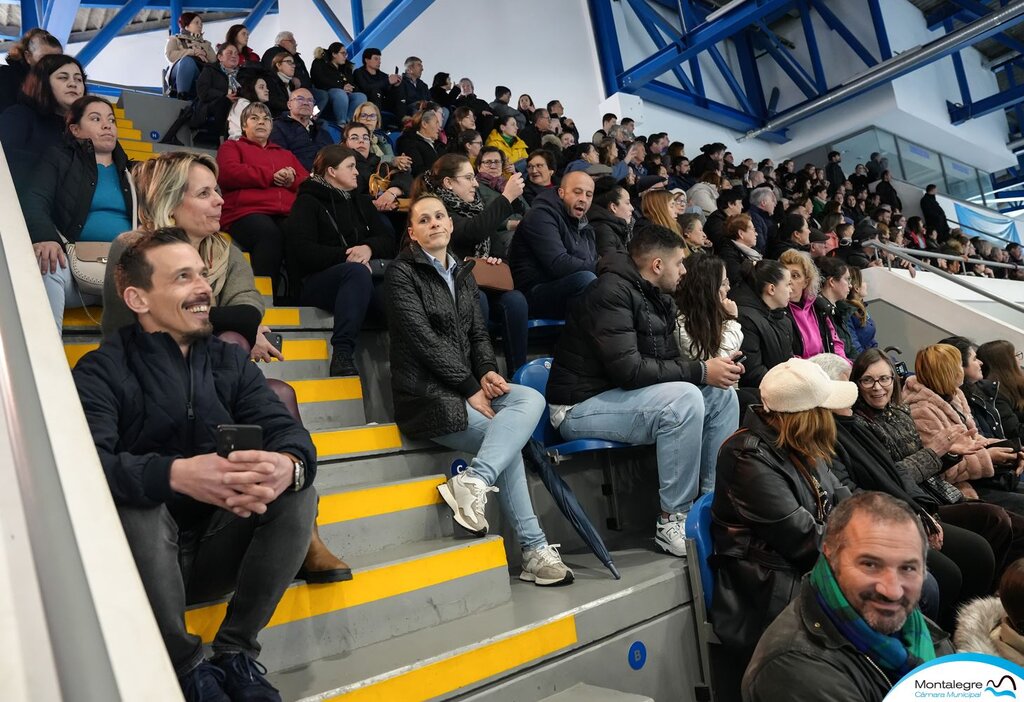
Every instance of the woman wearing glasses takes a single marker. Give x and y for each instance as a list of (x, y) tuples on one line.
[(357, 137), (451, 179), (368, 114), (259, 180), (281, 83), (925, 459), (332, 71)]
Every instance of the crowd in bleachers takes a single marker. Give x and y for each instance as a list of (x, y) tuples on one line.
[(690, 293)]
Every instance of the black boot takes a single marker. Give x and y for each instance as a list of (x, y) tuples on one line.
[(342, 364)]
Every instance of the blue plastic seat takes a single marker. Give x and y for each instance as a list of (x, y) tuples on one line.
[(544, 323), (535, 375), (698, 532)]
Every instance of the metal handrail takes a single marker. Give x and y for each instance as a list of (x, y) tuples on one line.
[(959, 280), (954, 257)]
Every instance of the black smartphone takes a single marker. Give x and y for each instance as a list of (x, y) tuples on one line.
[(901, 369), (238, 437), (1005, 443), (276, 340), (740, 359)]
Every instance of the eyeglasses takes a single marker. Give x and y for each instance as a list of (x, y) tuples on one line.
[(289, 62), (867, 382), (353, 137), (304, 101), (468, 176), (478, 142), (491, 162), (1020, 355), (367, 115)]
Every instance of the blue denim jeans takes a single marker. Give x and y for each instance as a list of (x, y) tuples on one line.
[(184, 72), (343, 105), (687, 424), (497, 444), (550, 300)]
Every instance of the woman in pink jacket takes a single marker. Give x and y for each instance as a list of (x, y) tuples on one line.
[(938, 406), (814, 330)]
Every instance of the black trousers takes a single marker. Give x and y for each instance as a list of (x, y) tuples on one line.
[(964, 569), (182, 564), (261, 235)]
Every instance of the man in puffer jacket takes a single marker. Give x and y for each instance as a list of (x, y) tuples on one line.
[(618, 375)]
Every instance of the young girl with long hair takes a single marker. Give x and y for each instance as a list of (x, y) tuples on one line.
[(706, 325)]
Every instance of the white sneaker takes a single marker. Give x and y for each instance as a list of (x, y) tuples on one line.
[(670, 534), (467, 496), (543, 566)]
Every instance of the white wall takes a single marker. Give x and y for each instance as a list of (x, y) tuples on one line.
[(506, 43)]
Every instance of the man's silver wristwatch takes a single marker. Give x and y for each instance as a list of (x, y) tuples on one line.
[(300, 476)]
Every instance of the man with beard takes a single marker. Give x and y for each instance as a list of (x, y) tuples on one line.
[(854, 629), (199, 525)]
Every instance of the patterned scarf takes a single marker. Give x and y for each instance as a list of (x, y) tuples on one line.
[(457, 207), (233, 84), (896, 655)]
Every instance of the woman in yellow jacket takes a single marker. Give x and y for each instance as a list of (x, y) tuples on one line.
[(505, 140)]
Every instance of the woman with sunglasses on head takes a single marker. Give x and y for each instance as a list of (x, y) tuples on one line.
[(332, 71)]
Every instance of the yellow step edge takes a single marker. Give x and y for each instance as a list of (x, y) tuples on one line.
[(361, 440), (375, 501), (437, 679), (74, 352), (137, 145), (305, 601), (282, 317), (327, 389), (128, 134), (305, 350), (83, 317), (264, 286)]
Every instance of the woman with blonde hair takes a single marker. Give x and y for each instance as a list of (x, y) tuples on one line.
[(705, 193), (773, 494), (658, 207), (179, 189), (815, 332), (938, 407)]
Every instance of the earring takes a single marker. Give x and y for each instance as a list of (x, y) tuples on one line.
[(170, 221)]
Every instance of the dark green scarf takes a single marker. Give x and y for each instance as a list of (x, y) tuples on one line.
[(896, 655)]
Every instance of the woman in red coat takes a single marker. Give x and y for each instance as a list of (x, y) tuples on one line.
[(258, 180)]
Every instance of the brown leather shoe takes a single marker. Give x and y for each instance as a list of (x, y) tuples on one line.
[(322, 566)]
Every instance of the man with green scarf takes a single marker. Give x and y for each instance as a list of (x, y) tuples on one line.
[(854, 629)]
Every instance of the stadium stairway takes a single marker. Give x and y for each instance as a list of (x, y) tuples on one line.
[(431, 612)]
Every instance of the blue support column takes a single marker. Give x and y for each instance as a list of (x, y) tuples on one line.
[(358, 18), (607, 40), (751, 75), (258, 13), (391, 22), (30, 15), (60, 17), (792, 68), (332, 21), (837, 26), (812, 46), (687, 17), (958, 70), (176, 7), (110, 30), (729, 117), (656, 26), (978, 108), (884, 49)]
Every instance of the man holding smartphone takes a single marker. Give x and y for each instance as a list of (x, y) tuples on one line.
[(199, 525), (618, 375)]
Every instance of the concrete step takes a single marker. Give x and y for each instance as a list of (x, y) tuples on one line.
[(327, 403), (363, 519), (393, 592), (581, 692), (384, 468), (495, 649), (358, 442), (87, 319)]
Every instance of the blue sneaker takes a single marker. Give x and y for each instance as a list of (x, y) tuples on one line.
[(244, 681), (204, 683)]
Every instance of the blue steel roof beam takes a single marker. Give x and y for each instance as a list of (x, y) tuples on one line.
[(699, 39), (959, 72), (358, 16), (750, 72), (1000, 101), (976, 10), (212, 6), (837, 26), (729, 117), (59, 17), (812, 46), (792, 68), (938, 18), (30, 14), (175, 7), (607, 40), (332, 21), (910, 60), (881, 35), (258, 13), (656, 25), (110, 30), (387, 25), (689, 20)]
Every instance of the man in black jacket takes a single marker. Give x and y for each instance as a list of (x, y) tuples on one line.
[(199, 525), (410, 91), (730, 202), (298, 132), (854, 629), (373, 82), (934, 216), (834, 172), (533, 133), (554, 254), (618, 375), (762, 207)]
